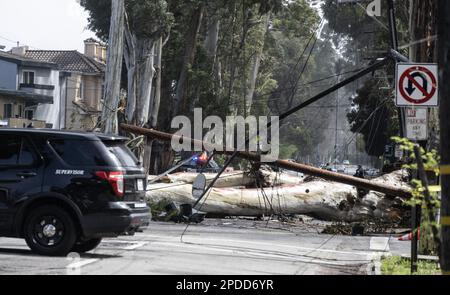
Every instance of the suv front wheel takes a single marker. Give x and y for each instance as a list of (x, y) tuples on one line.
[(50, 230)]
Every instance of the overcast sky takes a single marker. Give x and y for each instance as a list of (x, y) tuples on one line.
[(43, 24)]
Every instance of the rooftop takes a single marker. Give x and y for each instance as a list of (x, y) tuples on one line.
[(26, 61), (68, 60)]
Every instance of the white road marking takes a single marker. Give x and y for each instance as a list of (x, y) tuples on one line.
[(132, 244), (81, 263), (135, 246), (379, 244)]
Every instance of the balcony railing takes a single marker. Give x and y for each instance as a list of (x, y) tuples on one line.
[(22, 123), (37, 86)]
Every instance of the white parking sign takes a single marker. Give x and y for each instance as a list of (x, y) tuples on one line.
[(416, 124)]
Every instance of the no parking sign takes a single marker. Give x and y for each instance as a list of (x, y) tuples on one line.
[(417, 85)]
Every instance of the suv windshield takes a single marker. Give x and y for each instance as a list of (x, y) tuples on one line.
[(122, 153)]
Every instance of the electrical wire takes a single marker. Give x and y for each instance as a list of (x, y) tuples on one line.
[(355, 134), (233, 156)]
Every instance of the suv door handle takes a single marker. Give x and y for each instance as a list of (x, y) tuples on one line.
[(27, 174)]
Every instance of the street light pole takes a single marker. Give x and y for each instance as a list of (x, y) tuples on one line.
[(444, 108)]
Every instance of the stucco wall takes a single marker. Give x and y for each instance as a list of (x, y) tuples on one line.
[(93, 91), (76, 119), (50, 113), (42, 77), (8, 75)]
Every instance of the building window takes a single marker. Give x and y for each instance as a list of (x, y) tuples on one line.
[(28, 78), (20, 113), (81, 91), (7, 110)]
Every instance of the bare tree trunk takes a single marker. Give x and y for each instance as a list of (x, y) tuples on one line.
[(236, 179), (130, 61), (256, 62), (146, 72), (181, 99), (113, 68), (211, 43), (212, 37), (154, 109)]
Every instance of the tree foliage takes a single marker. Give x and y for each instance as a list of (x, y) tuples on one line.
[(361, 37), (221, 72)]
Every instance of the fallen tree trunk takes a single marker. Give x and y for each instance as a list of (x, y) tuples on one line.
[(235, 179), (318, 198)]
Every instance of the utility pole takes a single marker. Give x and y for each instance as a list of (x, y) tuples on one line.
[(336, 127), (394, 46), (444, 109)]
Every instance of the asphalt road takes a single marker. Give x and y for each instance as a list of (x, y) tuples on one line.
[(215, 247)]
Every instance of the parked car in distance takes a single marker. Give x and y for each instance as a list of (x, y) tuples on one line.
[(65, 191)]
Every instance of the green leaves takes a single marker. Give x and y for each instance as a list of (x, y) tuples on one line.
[(430, 162), (149, 18)]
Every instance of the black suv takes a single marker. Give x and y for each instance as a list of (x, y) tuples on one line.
[(64, 191)]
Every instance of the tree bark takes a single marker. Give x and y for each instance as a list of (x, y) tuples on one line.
[(256, 62), (130, 61), (111, 97), (154, 108), (423, 27), (156, 98), (236, 179), (444, 76), (318, 198), (146, 72), (212, 38), (181, 99)]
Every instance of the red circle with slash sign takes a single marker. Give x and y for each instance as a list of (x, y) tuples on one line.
[(427, 95)]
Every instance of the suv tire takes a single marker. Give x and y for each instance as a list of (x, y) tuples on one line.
[(86, 246), (50, 230)]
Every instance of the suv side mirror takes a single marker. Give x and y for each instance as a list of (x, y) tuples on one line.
[(199, 185)]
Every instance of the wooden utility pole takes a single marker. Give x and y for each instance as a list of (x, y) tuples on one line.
[(309, 170), (444, 77), (111, 97)]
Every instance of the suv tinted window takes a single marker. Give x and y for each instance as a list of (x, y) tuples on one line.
[(14, 150), (26, 154), (78, 152), (122, 153)]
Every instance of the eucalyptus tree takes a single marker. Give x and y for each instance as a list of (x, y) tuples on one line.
[(146, 23)]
